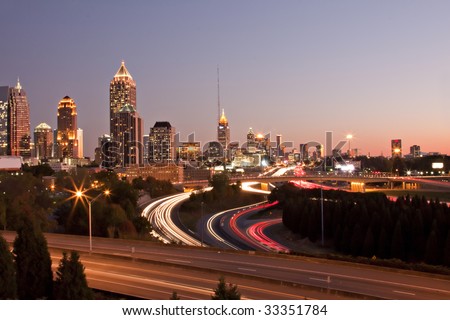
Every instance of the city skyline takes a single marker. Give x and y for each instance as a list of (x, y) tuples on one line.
[(378, 71)]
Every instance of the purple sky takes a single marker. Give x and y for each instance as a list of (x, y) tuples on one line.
[(377, 69)]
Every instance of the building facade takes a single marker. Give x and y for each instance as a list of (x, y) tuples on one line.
[(415, 151), (4, 100), (19, 136), (223, 131), (43, 141), (122, 91), (128, 146), (161, 143), (66, 135), (396, 148)]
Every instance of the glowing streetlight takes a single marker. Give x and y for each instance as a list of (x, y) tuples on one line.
[(80, 194)]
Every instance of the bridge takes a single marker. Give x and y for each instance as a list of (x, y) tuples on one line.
[(357, 183)]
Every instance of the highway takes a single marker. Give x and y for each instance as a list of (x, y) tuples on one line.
[(270, 269)]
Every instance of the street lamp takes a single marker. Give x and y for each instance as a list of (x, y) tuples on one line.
[(80, 194)]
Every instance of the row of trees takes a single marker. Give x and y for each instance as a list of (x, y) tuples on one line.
[(411, 229), (58, 210), (26, 273)]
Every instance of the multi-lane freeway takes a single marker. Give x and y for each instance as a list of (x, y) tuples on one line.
[(137, 267)]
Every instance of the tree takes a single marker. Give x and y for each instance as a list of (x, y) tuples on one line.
[(220, 182), (8, 286), (226, 291), (71, 283), (174, 296), (33, 263)]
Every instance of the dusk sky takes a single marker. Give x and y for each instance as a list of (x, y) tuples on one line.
[(377, 69)]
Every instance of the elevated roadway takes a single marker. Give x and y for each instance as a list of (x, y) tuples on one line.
[(119, 264)]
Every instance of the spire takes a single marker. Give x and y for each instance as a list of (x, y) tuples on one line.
[(18, 86), (123, 72), (223, 120)]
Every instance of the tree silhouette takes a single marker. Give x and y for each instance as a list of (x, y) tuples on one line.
[(70, 283), (8, 287), (33, 263), (226, 291)]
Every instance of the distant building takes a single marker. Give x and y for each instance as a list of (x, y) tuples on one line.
[(10, 163), (415, 151), (161, 142), (122, 91), (128, 136), (167, 171), (43, 141), (79, 150), (66, 136), (145, 148), (105, 152), (189, 151), (223, 131), (4, 101), (19, 136), (396, 148), (280, 149), (251, 142)]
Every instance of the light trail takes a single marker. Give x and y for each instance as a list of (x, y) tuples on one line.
[(159, 214), (256, 231), (211, 221)]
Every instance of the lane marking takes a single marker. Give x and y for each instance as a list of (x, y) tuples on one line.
[(403, 292), (317, 279), (176, 260)]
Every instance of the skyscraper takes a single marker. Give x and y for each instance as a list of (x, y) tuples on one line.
[(4, 99), (161, 145), (223, 131), (43, 141), (122, 91), (396, 148), (415, 151), (19, 138), (128, 126), (79, 149), (66, 137)]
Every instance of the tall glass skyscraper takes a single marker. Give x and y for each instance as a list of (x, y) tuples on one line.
[(125, 123), (122, 91), (19, 136)]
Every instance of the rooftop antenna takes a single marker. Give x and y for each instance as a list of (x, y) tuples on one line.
[(218, 95)]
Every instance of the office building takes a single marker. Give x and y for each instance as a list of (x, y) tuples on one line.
[(43, 141), (122, 91), (128, 142), (66, 135), (161, 143), (4, 98), (396, 148), (223, 131), (19, 138), (415, 151), (79, 149)]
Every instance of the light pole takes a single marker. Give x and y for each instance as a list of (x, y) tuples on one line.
[(201, 222), (80, 194), (321, 213)]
